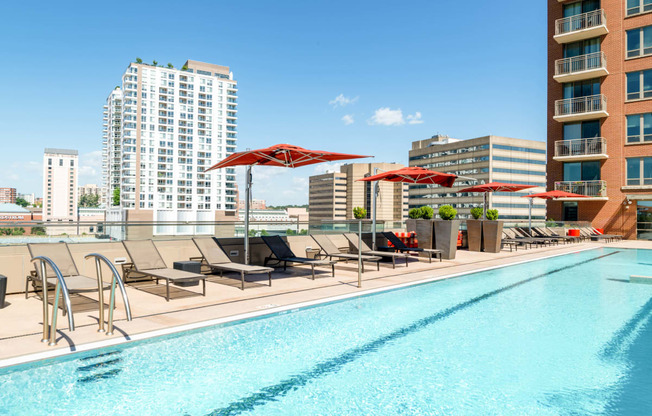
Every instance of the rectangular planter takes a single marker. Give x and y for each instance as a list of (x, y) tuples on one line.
[(424, 230), (492, 236), (474, 234), (446, 237)]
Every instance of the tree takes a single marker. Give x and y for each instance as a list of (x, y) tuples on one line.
[(264, 232), (89, 201), (116, 197), (170, 66), (252, 233), (184, 68), (20, 201), (139, 61), (155, 62), (38, 230)]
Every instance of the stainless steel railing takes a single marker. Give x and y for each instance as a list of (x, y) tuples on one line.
[(580, 105), (580, 22), (587, 188), (580, 63), (581, 147)]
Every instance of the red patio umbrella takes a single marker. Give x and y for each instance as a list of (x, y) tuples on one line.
[(549, 195), (283, 155), (495, 187), (409, 175)]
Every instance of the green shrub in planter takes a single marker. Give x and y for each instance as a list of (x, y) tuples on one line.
[(427, 212), (447, 212), (359, 213), (492, 214), (414, 213), (476, 212)]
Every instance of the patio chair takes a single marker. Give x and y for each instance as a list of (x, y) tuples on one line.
[(594, 236), (536, 233), (510, 235), (544, 240), (213, 256), (353, 240), (281, 252), (550, 233), (611, 236), (147, 261), (399, 246), (331, 251)]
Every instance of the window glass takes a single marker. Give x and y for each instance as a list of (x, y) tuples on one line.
[(590, 5), (647, 171), (647, 40), (572, 131), (633, 43), (647, 127), (590, 129), (633, 128), (573, 171), (633, 171), (591, 171), (633, 85), (572, 9)]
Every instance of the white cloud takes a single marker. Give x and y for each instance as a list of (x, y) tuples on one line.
[(387, 117), (348, 119), (327, 167), (341, 101), (414, 119), (90, 168)]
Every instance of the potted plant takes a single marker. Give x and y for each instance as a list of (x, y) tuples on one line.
[(421, 223), (492, 232), (446, 230), (474, 229)]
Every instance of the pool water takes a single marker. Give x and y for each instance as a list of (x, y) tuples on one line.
[(562, 336)]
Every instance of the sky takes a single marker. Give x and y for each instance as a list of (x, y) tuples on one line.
[(362, 77)]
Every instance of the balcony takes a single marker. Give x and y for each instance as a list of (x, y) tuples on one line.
[(593, 190), (581, 26), (581, 108), (592, 65), (581, 149)]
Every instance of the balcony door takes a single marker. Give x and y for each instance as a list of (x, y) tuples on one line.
[(581, 88), (644, 220)]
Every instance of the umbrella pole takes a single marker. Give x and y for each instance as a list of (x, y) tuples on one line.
[(246, 219), (484, 205), (529, 217), (373, 210)]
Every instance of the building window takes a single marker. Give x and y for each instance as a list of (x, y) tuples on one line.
[(50, 162), (639, 128), (634, 82), (639, 171), (582, 171), (639, 42), (581, 130), (582, 88), (638, 6)]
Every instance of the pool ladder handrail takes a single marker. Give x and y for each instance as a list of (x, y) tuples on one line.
[(49, 332)]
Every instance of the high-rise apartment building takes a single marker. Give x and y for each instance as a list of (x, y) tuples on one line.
[(485, 159), (162, 128), (7, 195), (332, 196), (93, 189), (600, 112), (60, 185)]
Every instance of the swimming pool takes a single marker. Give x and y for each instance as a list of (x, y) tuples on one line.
[(565, 335)]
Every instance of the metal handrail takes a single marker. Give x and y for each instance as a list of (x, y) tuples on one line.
[(578, 147), (115, 279), (580, 63), (580, 22), (60, 288), (580, 105), (597, 188)]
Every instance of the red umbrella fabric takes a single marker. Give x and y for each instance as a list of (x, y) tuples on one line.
[(414, 175), (284, 155), (555, 195), (497, 187)]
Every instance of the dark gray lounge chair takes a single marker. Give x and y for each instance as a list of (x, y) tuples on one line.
[(282, 253), (214, 257), (399, 246), (353, 239), (331, 251)]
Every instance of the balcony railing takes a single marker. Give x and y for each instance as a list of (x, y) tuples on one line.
[(581, 105), (594, 189), (581, 63), (580, 22), (581, 147)]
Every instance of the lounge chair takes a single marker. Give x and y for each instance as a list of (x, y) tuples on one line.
[(147, 261), (281, 252), (353, 239), (399, 246), (331, 251), (538, 234), (610, 236), (510, 235), (544, 240), (594, 236), (214, 257), (549, 233)]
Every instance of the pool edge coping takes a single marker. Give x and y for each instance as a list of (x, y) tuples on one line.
[(61, 352)]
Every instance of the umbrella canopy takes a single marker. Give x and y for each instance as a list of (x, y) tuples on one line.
[(555, 195), (283, 155), (497, 187), (414, 175)]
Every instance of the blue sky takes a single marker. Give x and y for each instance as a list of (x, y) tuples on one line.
[(456, 68)]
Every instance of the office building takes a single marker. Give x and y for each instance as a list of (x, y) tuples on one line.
[(485, 159), (60, 185), (333, 195), (7, 195), (162, 128), (600, 112)]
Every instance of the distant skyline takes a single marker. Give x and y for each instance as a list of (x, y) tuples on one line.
[(363, 77)]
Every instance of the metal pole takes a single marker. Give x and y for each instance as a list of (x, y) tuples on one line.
[(246, 219), (359, 253), (100, 294), (485, 206), (373, 210), (44, 288), (529, 217)]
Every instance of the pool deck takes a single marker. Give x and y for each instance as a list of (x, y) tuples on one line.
[(21, 329)]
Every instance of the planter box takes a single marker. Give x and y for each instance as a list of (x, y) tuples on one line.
[(474, 234), (492, 236), (424, 230), (446, 237)]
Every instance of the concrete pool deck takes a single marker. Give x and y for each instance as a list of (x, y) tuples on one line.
[(21, 329)]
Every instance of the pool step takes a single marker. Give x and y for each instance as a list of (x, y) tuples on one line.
[(105, 354), (104, 367), (102, 364), (640, 279), (100, 376)]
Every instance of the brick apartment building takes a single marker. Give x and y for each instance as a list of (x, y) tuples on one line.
[(600, 112), (7, 195)]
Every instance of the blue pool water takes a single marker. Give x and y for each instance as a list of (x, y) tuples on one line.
[(562, 336)]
